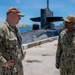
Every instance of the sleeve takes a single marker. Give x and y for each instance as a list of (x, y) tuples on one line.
[(2, 59), (59, 50), (22, 54)]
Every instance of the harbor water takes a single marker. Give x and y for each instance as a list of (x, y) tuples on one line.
[(24, 29)]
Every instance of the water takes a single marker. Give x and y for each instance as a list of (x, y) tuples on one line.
[(24, 29)]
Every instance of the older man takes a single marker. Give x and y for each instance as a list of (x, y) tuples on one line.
[(65, 55), (11, 53)]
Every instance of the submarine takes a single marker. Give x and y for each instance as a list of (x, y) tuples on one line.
[(47, 28), (46, 18)]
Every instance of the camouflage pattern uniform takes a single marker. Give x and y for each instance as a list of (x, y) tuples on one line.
[(65, 54), (10, 49)]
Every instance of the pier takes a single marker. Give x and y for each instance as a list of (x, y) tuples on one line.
[(40, 58)]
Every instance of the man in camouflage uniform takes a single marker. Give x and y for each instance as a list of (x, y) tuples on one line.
[(11, 54), (65, 55)]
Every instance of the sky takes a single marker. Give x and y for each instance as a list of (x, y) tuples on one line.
[(31, 8)]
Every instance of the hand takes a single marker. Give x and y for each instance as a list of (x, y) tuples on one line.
[(57, 65), (9, 64)]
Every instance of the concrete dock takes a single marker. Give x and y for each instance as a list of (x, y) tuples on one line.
[(40, 60)]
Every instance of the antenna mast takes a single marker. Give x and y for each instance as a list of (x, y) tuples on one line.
[(47, 3)]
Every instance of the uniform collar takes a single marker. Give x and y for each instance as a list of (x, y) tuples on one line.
[(12, 29), (71, 33)]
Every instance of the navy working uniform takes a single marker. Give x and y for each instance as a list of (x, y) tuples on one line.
[(10, 49), (65, 54)]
